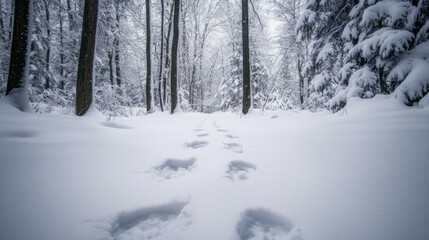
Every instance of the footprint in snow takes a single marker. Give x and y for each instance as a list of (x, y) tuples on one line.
[(222, 130), (231, 136), (198, 130), (235, 147), (203, 135), (148, 222), (196, 144), (175, 167), (239, 169), (261, 224)]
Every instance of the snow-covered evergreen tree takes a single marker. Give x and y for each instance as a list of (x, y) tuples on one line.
[(321, 24), (385, 43)]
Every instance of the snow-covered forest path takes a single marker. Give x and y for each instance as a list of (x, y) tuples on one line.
[(277, 175)]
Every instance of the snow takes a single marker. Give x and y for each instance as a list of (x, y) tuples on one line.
[(358, 174), (385, 42), (397, 13), (411, 73), (325, 53)]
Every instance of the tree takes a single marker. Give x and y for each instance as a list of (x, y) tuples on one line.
[(385, 44), (247, 95), (174, 56), (85, 81), (19, 58), (161, 59), (292, 52), (149, 86)]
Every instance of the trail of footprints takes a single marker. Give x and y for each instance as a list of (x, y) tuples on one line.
[(155, 221)]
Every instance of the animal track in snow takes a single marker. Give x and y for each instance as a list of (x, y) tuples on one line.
[(203, 135), (146, 223), (199, 130), (234, 147), (261, 224), (196, 144), (175, 167), (239, 169)]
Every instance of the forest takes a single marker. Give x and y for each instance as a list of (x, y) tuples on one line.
[(302, 55), (214, 119)]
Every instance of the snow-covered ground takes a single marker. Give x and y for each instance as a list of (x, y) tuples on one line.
[(358, 174)]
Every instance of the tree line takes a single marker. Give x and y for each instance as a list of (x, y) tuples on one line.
[(211, 55)]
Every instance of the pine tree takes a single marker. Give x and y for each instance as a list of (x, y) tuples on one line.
[(321, 24), (380, 38), (230, 92)]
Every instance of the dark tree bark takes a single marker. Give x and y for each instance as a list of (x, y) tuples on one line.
[(174, 53), (61, 83), (247, 98), (2, 30), (117, 52), (301, 80), (48, 46), (85, 79), (19, 57), (167, 54), (110, 56), (161, 69), (149, 87)]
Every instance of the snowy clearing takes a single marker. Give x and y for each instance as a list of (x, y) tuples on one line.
[(358, 174)]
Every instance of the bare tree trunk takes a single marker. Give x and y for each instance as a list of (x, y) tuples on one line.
[(85, 74), (149, 87), (117, 52), (247, 101), (110, 56), (200, 58), (19, 57), (167, 53), (194, 64), (61, 83), (174, 53), (2, 30), (48, 46), (161, 69), (11, 20), (301, 80)]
